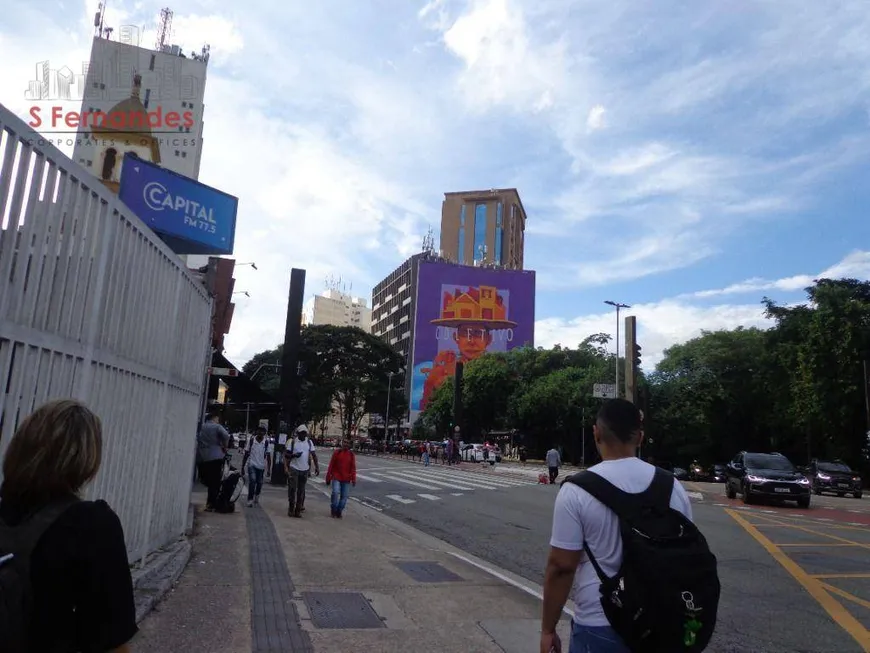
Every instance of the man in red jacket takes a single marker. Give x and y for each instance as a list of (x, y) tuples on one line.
[(341, 474)]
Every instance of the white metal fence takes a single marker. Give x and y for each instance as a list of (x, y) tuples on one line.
[(94, 306)]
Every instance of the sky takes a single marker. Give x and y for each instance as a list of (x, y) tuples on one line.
[(685, 158)]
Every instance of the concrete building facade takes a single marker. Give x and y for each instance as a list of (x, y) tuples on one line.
[(337, 308), (484, 227)]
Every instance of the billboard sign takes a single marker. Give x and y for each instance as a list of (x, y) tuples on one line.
[(190, 217), (462, 313)]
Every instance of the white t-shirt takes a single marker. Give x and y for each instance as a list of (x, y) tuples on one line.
[(257, 453), (578, 516), (304, 447)]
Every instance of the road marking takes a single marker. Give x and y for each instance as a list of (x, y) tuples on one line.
[(840, 576), (844, 594), (421, 477), (431, 497), (825, 544), (507, 579), (369, 479), (462, 481), (807, 529), (399, 479), (476, 481), (812, 585), (367, 503), (400, 499), (456, 494), (697, 496)]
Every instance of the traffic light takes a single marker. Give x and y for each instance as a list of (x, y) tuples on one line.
[(636, 356)]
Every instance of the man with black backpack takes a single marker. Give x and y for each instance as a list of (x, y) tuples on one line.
[(647, 581)]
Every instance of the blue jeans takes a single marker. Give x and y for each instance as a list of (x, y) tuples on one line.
[(426, 459), (595, 639), (255, 482), (339, 495)]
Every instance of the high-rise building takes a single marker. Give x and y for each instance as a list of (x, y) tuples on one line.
[(144, 102), (484, 227), (393, 306), (337, 308)]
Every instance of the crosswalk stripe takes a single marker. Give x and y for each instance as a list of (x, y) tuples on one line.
[(427, 478), (399, 479), (431, 497), (473, 481), (370, 479), (456, 494), (400, 499)]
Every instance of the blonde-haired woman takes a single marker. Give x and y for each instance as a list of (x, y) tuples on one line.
[(82, 592)]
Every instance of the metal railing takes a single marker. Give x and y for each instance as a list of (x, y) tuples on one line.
[(94, 306)]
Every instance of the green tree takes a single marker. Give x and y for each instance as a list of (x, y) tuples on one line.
[(438, 415), (488, 384), (349, 365), (264, 369)]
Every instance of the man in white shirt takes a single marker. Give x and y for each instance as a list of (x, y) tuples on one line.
[(297, 462), (578, 517), (257, 457)]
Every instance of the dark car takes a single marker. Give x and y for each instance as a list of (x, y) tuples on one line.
[(718, 473), (766, 475), (835, 476)]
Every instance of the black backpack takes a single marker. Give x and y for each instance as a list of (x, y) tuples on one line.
[(16, 594), (666, 593)]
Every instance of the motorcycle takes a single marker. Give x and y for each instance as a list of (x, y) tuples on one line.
[(697, 473)]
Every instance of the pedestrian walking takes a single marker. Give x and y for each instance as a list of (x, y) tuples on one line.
[(65, 582), (211, 448), (554, 462), (298, 456), (256, 457), (427, 447), (583, 524), (340, 475)]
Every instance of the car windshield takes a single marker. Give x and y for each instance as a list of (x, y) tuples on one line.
[(834, 467), (769, 461)]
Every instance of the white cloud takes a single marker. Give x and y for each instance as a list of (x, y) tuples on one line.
[(595, 119), (660, 325), (855, 265)]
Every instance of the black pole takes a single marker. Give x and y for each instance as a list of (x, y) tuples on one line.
[(457, 399), (289, 366)]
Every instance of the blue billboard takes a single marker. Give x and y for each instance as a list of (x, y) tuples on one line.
[(190, 217)]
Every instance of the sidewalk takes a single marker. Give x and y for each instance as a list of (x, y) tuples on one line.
[(260, 581)]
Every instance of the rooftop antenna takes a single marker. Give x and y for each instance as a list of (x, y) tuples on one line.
[(98, 19), (428, 242), (163, 28), (107, 31)]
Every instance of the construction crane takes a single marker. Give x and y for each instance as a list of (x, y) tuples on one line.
[(164, 28)]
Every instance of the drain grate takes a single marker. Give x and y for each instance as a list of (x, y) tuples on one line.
[(428, 572), (338, 610)]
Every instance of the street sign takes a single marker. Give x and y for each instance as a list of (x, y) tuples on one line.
[(604, 390), (222, 371)]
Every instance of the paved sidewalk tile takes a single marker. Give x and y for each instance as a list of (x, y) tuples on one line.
[(275, 626)]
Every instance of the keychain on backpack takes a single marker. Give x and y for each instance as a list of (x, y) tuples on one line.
[(692, 628)]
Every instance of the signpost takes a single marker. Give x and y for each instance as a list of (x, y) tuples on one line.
[(604, 391)]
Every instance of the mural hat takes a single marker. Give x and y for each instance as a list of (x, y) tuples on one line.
[(481, 308)]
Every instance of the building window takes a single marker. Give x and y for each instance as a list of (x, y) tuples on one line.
[(460, 255), (151, 64), (109, 163), (499, 232), (147, 97), (479, 232)]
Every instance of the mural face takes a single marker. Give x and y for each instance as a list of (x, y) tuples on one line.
[(462, 313)]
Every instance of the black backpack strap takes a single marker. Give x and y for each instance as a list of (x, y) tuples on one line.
[(25, 536)]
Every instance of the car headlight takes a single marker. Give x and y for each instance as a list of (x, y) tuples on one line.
[(804, 481), (824, 477), (752, 478), (856, 479)]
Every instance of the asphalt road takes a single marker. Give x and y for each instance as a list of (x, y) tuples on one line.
[(792, 580)]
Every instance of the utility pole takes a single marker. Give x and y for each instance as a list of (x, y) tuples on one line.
[(387, 420), (617, 306), (632, 359)]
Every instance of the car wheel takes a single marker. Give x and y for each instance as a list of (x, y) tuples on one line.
[(730, 492), (817, 491), (841, 494), (803, 502), (858, 495), (747, 495)]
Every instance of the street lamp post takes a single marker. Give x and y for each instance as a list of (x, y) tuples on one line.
[(387, 419), (617, 306)]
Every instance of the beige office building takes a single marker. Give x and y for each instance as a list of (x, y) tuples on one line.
[(484, 227)]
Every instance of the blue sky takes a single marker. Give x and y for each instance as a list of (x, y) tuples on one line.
[(686, 158)]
